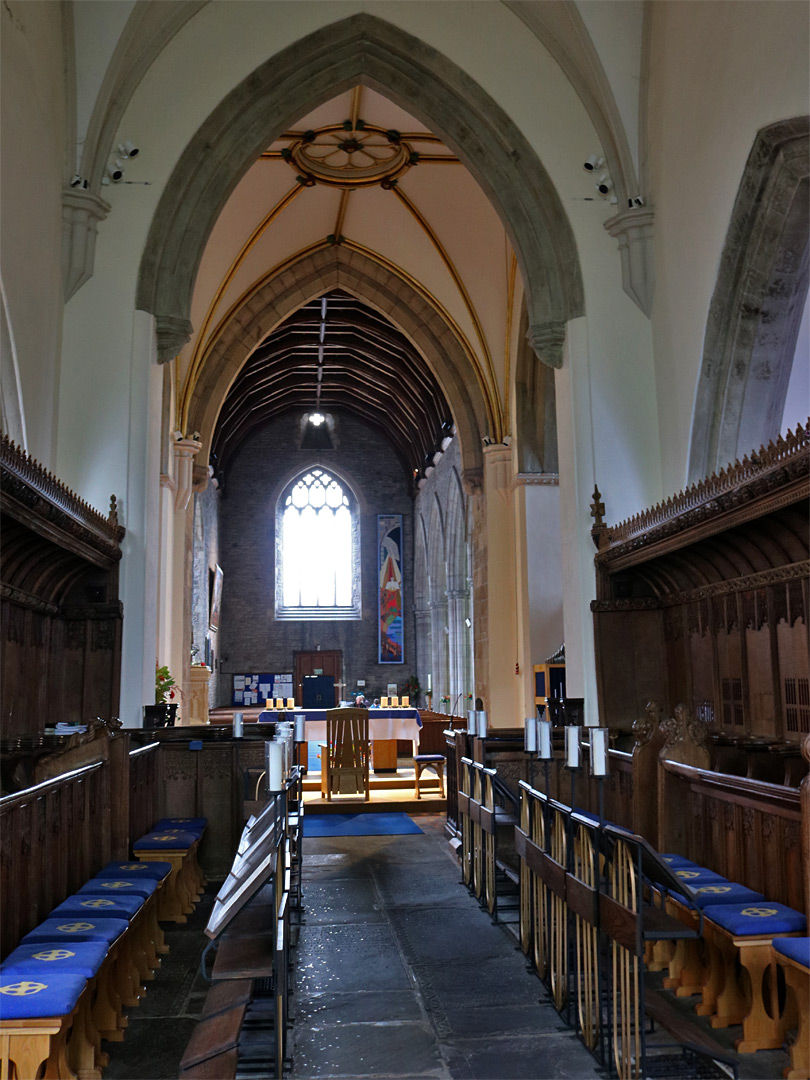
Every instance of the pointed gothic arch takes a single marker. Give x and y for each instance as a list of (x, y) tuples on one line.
[(362, 49), (337, 267)]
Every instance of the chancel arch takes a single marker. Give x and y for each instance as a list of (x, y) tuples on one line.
[(757, 305), (362, 49)]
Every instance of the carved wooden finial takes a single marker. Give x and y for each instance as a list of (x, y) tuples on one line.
[(113, 518), (597, 508)]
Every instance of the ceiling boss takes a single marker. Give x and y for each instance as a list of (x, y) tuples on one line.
[(350, 155)]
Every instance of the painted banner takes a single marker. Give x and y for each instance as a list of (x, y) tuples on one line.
[(389, 564)]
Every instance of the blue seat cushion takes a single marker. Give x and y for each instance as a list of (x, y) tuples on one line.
[(40, 959), (27, 998), (678, 862), (156, 870), (753, 920), (721, 892), (188, 824), (169, 841), (698, 875), (82, 929), (428, 757), (797, 948), (111, 886), (95, 906)]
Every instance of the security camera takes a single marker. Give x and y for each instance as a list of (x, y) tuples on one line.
[(635, 201), (604, 184), (593, 162), (115, 171), (128, 149)]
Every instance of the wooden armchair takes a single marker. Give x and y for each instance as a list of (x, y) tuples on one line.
[(345, 755)]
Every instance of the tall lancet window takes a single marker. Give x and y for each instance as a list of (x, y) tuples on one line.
[(317, 567)]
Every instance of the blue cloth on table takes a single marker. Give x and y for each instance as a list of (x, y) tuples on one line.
[(98, 907), (156, 870), (797, 948), (678, 862), (186, 824), (44, 958), (753, 920), (103, 886), (27, 998), (720, 892), (270, 716), (166, 840), (83, 929)]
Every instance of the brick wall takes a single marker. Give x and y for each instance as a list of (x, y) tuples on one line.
[(251, 638)]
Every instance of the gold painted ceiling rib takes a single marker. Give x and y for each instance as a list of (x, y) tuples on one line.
[(507, 349), (199, 346), (448, 262), (493, 414), (341, 214)]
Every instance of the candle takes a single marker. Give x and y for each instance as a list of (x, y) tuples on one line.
[(274, 765), (482, 724), (472, 723), (299, 728), (269, 703), (238, 721), (406, 701), (544, 739), (394, 702), (572, 747), (599, 749), (279, 702), (530, 735), (290, 703), (383, 702)]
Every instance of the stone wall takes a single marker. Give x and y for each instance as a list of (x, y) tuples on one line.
[(205, 557), (252, 639)]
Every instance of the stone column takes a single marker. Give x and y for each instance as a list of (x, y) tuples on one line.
[(500, 696), (457, 601), (423, 648), (438, 622)]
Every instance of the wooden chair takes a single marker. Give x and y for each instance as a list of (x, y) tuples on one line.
[(344, 755)]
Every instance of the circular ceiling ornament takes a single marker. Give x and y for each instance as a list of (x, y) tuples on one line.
[(350, 156)]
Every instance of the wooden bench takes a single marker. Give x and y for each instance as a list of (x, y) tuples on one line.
[(793, 956)]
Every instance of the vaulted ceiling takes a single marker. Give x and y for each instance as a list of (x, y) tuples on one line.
[(336, 354)]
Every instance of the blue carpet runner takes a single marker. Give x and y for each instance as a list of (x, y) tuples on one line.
[(358, 825)]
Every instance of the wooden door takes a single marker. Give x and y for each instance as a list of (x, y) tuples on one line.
[(317, 663)]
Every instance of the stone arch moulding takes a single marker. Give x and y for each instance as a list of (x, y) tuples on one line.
[(338, 267), (362, 49), (756, 307)]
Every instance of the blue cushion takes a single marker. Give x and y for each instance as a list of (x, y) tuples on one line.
[(753, 920), (170, 841), (84, 929), (43, 958), (428, 757), (698, 875), (678, 862), (721, 892), (797, 948), (103, 886), (23, 999), (156, 870), (187, 824), (98, 907)]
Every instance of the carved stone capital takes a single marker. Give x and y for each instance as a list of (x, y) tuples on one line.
[(172, 334), (498, 467), (81, 212), (547, 340), (185, 450), (634, 231), (472, 480)]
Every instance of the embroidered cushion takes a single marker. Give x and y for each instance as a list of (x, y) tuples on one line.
[(721, 892), (755, 919), (26, 998), (797, 948), (678, 862), (112, 886), (157, 870), (81, 929), (165, 840), (40, 959), (98, 907), (190, 824)]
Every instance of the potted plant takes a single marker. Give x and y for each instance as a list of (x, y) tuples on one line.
[(164, 711), (412, 688)]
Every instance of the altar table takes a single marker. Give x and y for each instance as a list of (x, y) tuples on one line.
[(383, 724)]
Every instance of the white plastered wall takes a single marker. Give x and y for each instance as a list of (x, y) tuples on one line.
[(720, 71)]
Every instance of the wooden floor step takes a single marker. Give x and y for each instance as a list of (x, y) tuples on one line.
[(244, 957), (660, 1007), (225, 995), (214, 1036), (221, 1067)]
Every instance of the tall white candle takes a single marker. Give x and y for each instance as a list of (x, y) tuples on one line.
[(472, 722), (599, 748), (572, 747), (482, 724), (274, 764), (238, 722), (299, 728), (544, 739), (530, 734)]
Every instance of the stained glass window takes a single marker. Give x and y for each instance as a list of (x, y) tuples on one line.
[(317, 549)]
